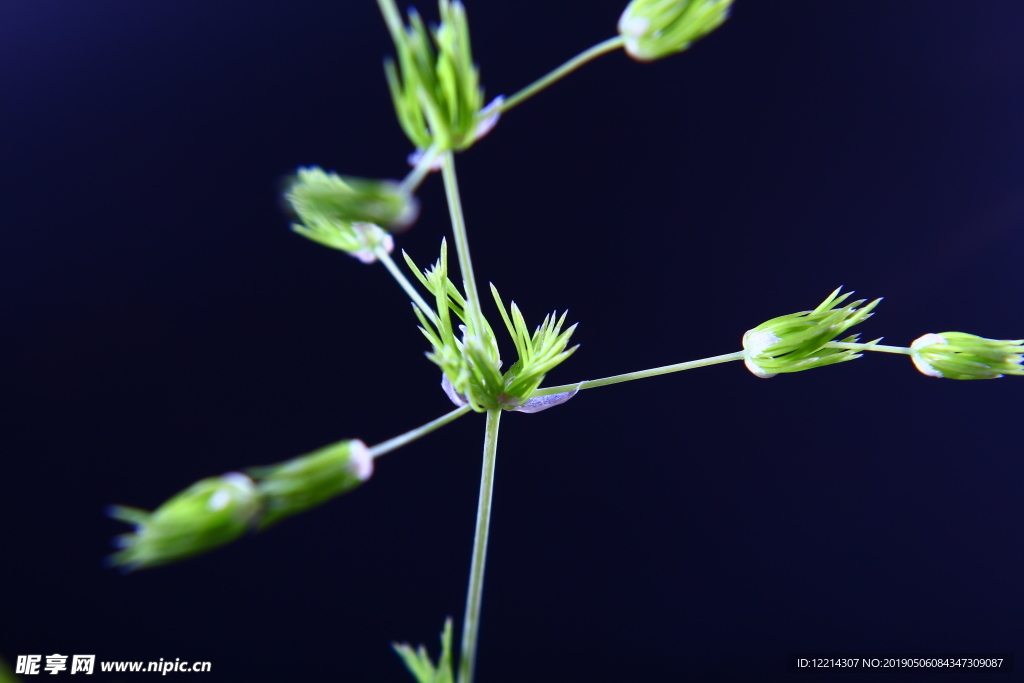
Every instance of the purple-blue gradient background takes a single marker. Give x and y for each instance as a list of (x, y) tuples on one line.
[(161, 324)]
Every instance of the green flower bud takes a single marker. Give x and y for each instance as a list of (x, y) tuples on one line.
[(957, 355), (795, 342), (436, 87), (658, 28), (208, 514), (344, 213), (307, 481)]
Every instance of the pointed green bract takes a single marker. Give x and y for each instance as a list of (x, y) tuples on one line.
[(958, 355), (420, 665), (206, 515), (436, 86), (470, 361), (795, 342), (538, 353), (304, 482), (346, 213), (653, 29)]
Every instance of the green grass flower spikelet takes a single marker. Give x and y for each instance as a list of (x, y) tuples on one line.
[(795, 342), (958, 355), (345, 213), (470, 361), (653, 29), (418, 661), (471, 364), (208, 514), (304, 482), (436, 86), (538, 353)]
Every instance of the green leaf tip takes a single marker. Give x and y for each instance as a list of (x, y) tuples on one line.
[(958, 355), (420, 665), (435, 87), (653, 29), (795, 342)]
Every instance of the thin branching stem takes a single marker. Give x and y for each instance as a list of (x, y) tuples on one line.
[(474, 594), (424, 165), (653, 372), (410, 436), (703, 362), (562, 71), (385, 258)]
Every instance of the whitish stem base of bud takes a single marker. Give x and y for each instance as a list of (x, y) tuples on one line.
[(923, 366)]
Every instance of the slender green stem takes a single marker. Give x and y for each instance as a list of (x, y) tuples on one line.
[(869, 347), (653, 372), (562, 71), (385, 258), (451, 188), (739, 355), (399, 441), (424, 166), (471, 622)]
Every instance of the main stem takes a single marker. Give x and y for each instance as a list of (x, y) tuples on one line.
[(451, 188), (474, 595)]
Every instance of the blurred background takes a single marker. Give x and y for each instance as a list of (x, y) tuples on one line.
[(161, 324)]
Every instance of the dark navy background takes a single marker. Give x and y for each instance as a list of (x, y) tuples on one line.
[(161, 325)]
